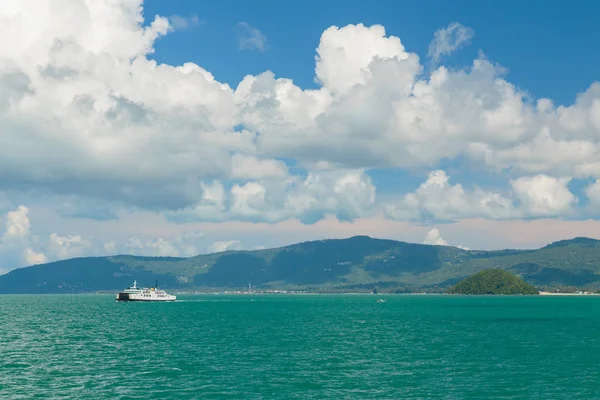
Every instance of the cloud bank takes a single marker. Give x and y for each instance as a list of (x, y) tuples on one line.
[(89, 122)]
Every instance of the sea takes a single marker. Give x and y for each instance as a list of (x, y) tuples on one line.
[(300, 347)]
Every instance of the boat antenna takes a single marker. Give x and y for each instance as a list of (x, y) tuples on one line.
[(156, 284)]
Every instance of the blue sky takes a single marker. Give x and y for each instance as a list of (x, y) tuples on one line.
[(154, 127), (547, 47)]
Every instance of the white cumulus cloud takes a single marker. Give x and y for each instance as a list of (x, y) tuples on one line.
[(345, 193), (593, 193), (345, 57), (543, 195), (89, 120), (185, 244), (449, 39), (434, 237), (179, 22), (250, 38), (225, 245), (69, 246), (20, 246), (16, 242), (33, 258), (437, 198)]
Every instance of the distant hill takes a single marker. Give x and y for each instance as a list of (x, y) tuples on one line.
[(493, 281), (358, 263), (575, 242)]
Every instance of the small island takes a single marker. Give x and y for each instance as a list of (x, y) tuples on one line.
[(493, 281)]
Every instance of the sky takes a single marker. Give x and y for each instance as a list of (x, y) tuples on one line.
[(184, 127)]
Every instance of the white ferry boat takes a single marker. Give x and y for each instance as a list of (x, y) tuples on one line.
[(135, 293)]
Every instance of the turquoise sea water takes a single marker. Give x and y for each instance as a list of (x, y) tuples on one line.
[(300, 347)]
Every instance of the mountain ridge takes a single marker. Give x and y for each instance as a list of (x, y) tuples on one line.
[(357, 263)]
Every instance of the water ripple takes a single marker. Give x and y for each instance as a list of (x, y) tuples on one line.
[(299, 347)]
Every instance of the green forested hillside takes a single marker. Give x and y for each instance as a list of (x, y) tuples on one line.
[(357, 263), (493, 281)]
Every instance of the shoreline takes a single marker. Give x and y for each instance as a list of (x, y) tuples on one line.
[(568, 294), (541, 293)]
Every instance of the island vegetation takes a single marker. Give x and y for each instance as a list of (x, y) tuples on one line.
[(356, 264), (493, 281)]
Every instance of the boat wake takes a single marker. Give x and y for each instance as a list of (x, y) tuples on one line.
[(203, 301)]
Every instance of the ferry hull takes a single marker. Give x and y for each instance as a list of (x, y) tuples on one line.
[(123, 297), (127, 297), (144, 294)]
